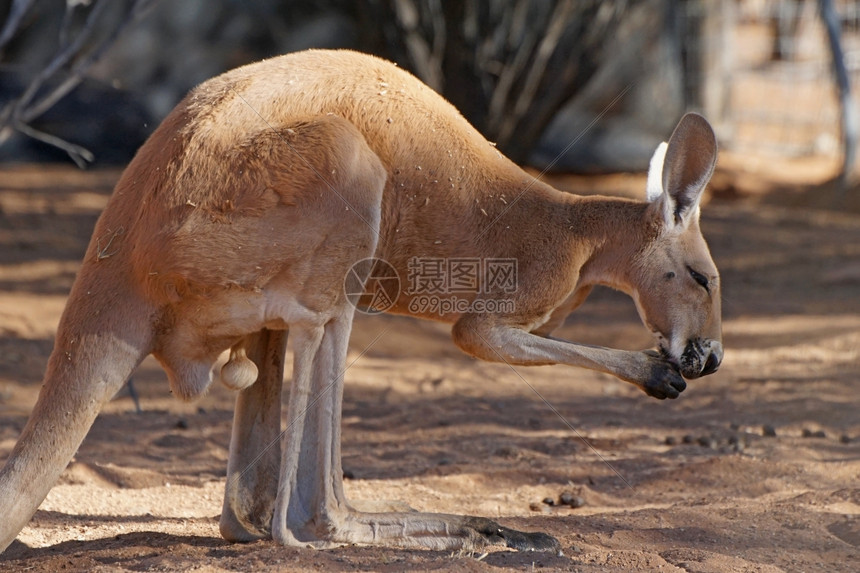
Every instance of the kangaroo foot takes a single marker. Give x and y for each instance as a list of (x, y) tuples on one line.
[(435, 531)]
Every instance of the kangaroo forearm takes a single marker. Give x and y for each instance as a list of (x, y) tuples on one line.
[(516, 346)]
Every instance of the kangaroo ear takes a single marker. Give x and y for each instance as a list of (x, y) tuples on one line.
[(687, 165)]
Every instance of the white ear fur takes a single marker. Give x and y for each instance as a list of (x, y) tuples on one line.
[(654, 187)]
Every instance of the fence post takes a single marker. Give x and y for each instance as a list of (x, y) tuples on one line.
[(847, 109)]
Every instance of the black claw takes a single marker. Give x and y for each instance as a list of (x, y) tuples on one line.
[(661, 391), (531, 541), (519, 540)]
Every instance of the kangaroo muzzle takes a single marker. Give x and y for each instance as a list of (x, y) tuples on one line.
[(700, 358)]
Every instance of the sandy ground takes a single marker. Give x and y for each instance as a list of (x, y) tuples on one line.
[(753, 469)]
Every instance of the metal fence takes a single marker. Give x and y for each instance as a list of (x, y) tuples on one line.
[(773, 67)]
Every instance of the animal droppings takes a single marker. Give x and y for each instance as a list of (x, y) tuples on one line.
[(570, 499)]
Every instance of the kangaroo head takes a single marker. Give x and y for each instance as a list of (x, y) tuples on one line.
[(676, 285)]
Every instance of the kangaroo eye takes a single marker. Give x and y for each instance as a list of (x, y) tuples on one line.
[(700, 278)]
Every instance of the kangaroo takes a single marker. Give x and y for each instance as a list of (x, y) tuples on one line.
[(240, 218)]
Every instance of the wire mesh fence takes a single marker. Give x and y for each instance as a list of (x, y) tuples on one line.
[(779, 94)]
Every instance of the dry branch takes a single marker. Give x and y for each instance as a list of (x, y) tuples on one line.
[(75, 55)]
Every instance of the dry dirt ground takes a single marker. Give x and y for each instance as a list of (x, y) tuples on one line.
[(753, 469)]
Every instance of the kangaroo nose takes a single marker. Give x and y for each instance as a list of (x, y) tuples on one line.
[(715, 357)]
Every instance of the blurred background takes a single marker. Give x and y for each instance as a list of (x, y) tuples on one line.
[(573, 86), (581, 89)]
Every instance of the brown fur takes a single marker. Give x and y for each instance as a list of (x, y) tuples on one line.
[(240, 218)]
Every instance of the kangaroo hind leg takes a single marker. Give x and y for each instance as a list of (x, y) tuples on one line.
[(311, 506), (255, 447)]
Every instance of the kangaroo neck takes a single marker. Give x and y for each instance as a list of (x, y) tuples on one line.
[(612, 231)]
